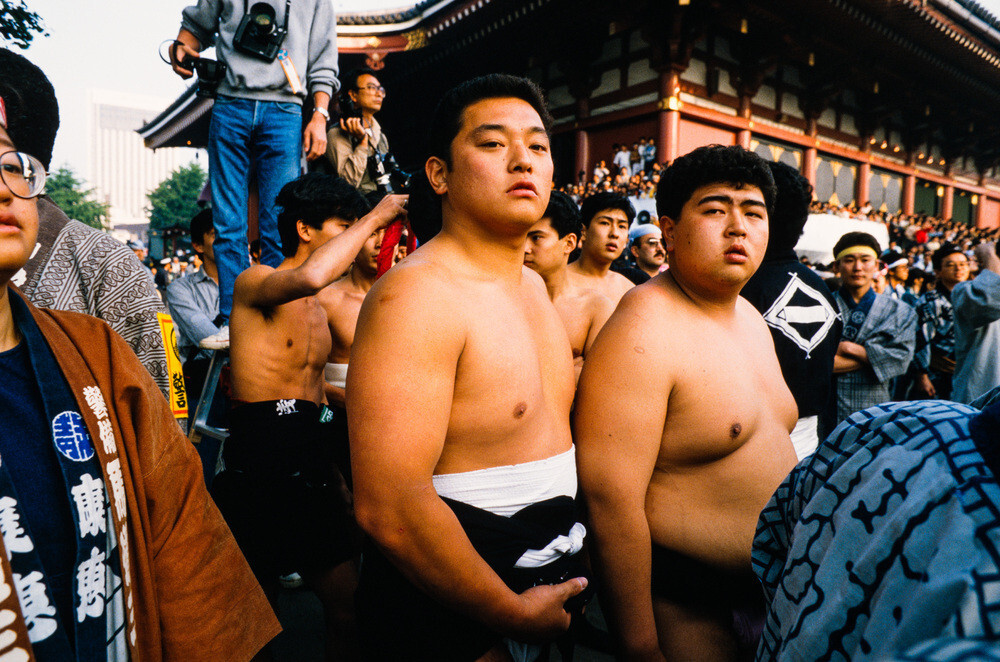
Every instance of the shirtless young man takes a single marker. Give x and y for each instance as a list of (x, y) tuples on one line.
[(606, 219), (682, 422), (342, 302), (459, 395), (280, 493), (550, 241)]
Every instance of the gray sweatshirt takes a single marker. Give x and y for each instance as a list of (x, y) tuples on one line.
[(311, 44)]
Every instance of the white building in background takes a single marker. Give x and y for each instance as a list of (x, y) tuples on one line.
[(120, 168)]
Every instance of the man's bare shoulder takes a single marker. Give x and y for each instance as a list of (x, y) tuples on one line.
[(335, 292), (420, 290), (642, 320), (534, 281), (251, 279), (752, 316), (619, 281)]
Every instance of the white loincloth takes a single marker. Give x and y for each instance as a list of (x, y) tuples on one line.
[(336, 374), (805, 437)]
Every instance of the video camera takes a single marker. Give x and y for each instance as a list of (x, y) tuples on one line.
[(258, 33)]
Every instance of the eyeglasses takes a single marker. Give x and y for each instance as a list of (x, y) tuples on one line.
[(22, 174), (374, 89)]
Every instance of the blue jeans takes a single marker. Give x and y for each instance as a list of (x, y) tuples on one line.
[(262, 137)]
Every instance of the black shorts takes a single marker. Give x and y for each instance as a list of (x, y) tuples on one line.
[(708, 589), (280, 494)]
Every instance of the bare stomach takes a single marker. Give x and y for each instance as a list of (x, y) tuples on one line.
[(706, 514), (471, 449), (258, 384)]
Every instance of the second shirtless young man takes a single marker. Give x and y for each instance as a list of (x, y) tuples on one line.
[(458, 396), (342, 302), (682, 423), (606, 220), (280, 493), (550, 241)]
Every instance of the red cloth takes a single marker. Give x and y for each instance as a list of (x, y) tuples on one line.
[(389, 242)]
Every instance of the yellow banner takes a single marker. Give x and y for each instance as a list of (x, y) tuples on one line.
[(178, 392)]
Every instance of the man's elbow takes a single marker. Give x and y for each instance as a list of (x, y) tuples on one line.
[(378, 522)]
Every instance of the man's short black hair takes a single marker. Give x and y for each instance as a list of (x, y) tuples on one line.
[(313, 198), (32, 109), (446, 121), (350, 81), (937, 259), (712, 164), (856, 239), (791, 208), (201, 224), (598, 202), (563, 214)]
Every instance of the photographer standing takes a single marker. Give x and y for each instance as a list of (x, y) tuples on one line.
[(355, 147), (257, 116)]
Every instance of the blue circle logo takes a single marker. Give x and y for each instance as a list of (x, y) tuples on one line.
[(71, 437)]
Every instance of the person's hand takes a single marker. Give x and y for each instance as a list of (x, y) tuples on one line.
[(314, 137), (851, 349), (353, 126), (388, 209), (925, 387), (543, 615), (182, 50), (986, 255)]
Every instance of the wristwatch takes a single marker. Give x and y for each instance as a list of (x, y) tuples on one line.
[(322, 111)]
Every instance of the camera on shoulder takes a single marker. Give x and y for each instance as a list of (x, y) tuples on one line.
[(258, 33)]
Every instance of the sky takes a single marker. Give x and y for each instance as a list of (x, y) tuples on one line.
[(112, 45)]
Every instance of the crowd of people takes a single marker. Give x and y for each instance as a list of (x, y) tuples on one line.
[(427, 387)]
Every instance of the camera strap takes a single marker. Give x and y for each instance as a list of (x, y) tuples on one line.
[(288, 9)]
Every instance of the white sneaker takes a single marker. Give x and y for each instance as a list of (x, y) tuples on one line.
[(218, 340)]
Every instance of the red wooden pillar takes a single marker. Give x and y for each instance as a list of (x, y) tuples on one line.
[(948, 202), (809, 156), (582, 148), (669, 117), (743, 137), (909, 186)]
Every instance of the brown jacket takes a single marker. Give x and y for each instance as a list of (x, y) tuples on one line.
[(190, 594)]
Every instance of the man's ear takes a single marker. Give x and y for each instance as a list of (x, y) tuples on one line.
[(569, 243), (667, 225), (305, 231), (437, 174), (634, 250), (353, 96)]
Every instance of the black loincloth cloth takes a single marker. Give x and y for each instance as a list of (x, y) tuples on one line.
[(397, 621), (734, 597), (280, 493)]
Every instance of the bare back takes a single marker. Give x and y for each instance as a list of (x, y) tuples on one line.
[(277, 352)]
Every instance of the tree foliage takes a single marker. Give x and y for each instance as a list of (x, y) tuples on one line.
[(175, 201), (77, 202), (18, 24)]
